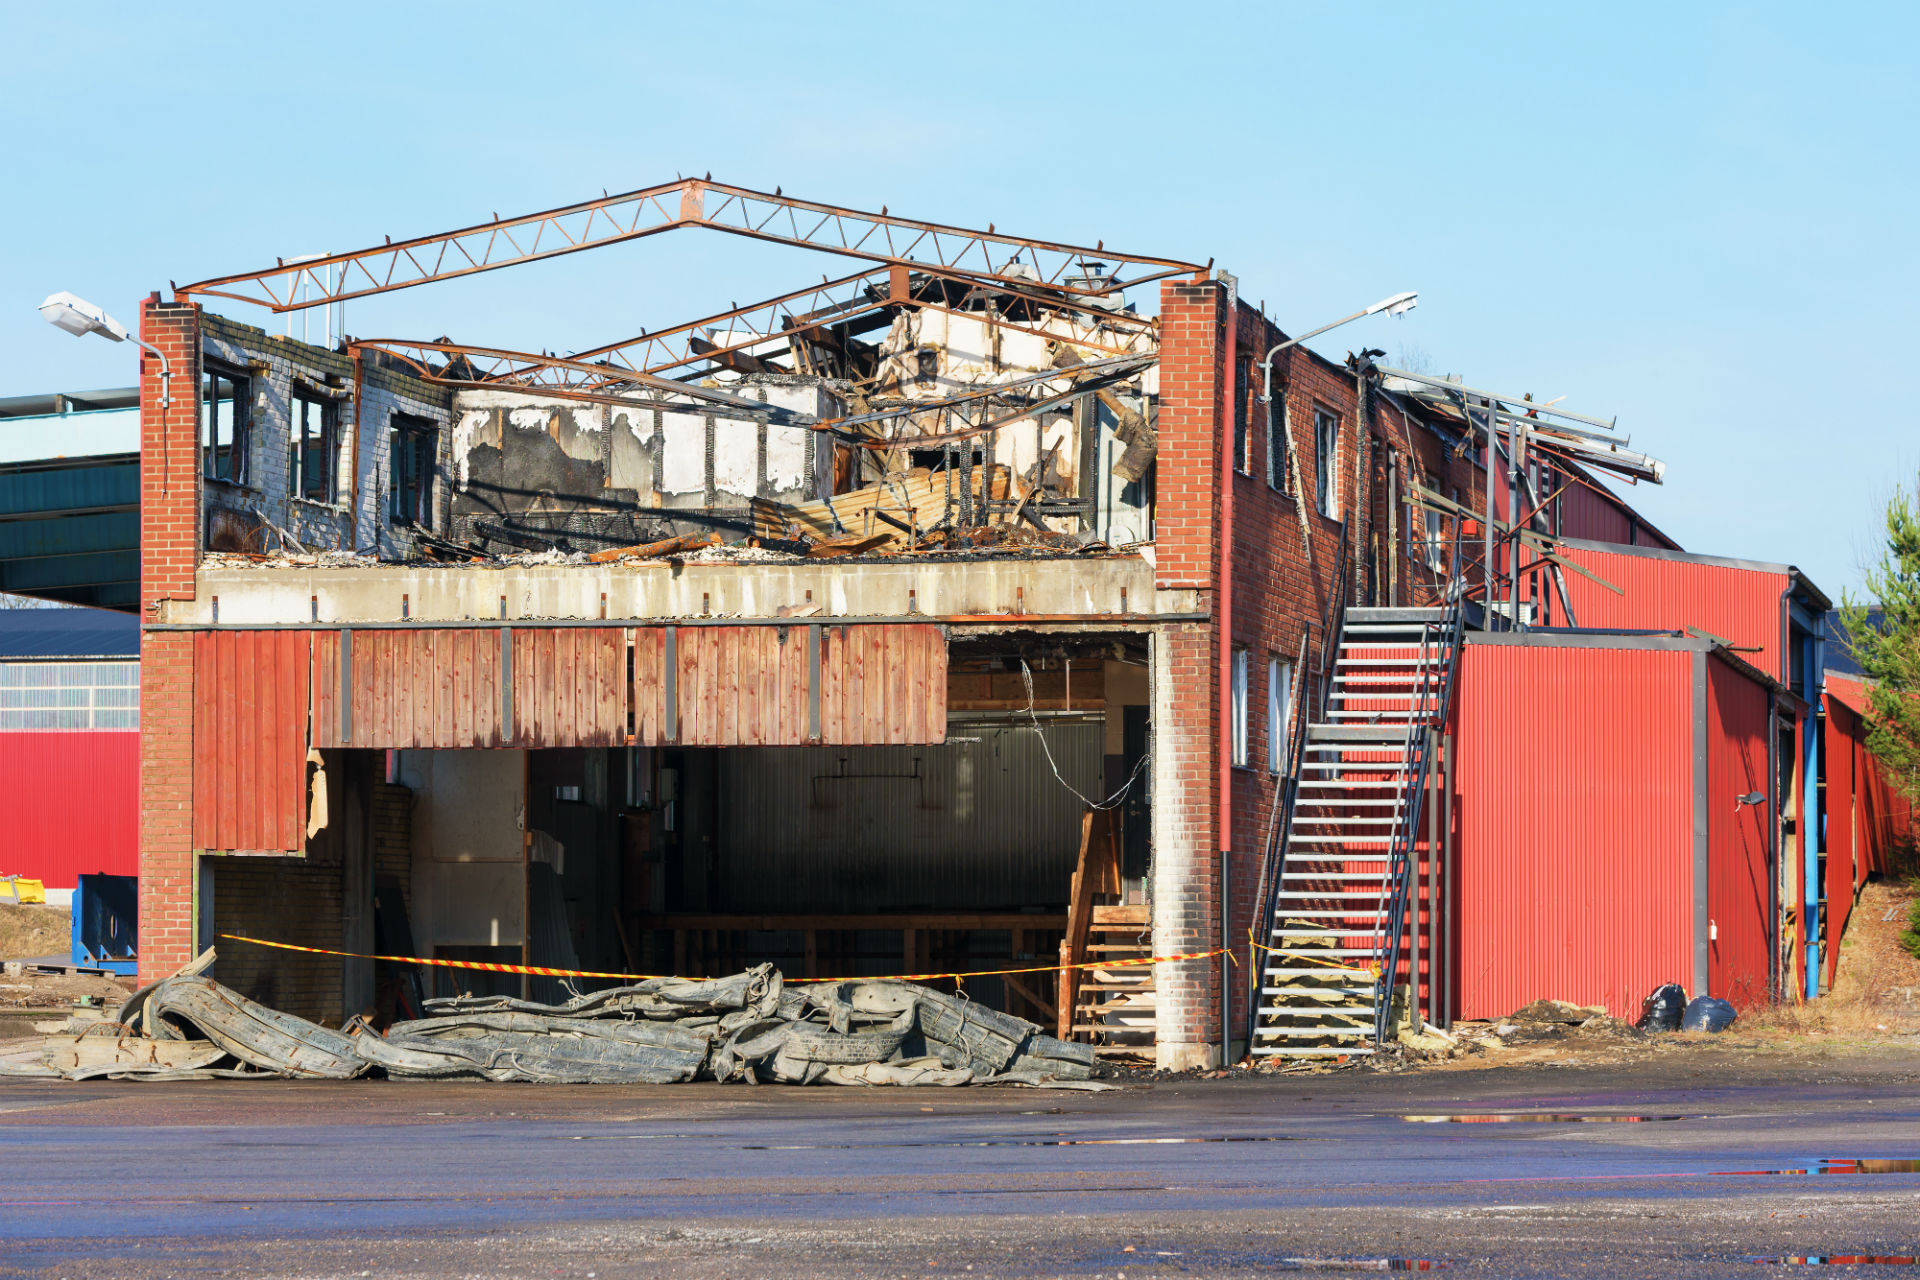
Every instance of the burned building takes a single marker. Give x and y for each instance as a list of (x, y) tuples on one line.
[(957, 616)]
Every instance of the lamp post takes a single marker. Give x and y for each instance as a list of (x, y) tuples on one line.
[(79, 317), (1398, 305)]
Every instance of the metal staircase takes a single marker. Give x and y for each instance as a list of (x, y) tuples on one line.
[(1339, 904)]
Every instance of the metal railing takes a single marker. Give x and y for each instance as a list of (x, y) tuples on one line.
[(1426, 715)]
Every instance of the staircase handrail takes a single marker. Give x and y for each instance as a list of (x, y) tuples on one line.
[(1430, 713), (1273, 858)]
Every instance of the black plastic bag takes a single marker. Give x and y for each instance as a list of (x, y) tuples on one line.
[(1662, 1010), (1705, 1013)]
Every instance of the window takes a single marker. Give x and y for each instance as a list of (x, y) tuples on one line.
[(1242, 417), (1436, 542), (411, 451), (70, 695), (1239, 706), (315, 426), (226, 401), (1326, 455), (1279, 704), (1279, 472)]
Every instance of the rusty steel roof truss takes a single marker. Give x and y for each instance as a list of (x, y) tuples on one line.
[(505, 242), (711, 341)]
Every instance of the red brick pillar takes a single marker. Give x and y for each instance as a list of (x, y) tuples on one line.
[(1186, 675), (169, 552)]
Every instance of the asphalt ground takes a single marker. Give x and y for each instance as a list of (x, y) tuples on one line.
[(1181, 1178)]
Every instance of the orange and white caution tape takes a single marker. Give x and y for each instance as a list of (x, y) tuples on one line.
[(541, 971)]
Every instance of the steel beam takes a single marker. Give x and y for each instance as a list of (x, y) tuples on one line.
[(742, 211)]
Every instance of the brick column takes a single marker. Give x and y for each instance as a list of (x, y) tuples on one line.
[(169, 552), (1186, 674)]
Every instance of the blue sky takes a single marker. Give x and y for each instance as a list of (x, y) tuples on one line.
[(1696, 217)]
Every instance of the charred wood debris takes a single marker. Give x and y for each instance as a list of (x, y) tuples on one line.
[(748, 1028)]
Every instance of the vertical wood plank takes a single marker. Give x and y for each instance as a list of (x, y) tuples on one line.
[(241, 690), (832, 659), (936, 686), (360, 675), (485, 656)]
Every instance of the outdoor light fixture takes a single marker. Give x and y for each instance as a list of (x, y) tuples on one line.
[(1752, 797), (79, 317), (1398, 305)]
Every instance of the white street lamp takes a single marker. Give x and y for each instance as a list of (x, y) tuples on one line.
[(1398, 305), (79, 317)]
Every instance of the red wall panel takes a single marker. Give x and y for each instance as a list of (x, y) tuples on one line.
[(1739, 861), (69, 804), (1574, 825), (1740, 606), (250, 740)]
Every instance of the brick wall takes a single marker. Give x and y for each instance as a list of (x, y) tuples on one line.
[(1186, 675), (169, 550), (296, 900), (365, 397)]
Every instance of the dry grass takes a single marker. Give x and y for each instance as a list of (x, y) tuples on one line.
[(27, 932), (1876, 992)]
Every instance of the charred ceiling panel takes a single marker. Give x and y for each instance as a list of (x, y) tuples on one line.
[(535, 473)]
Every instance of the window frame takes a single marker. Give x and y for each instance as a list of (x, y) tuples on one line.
[(1243, 417), (1239, 712), (416, 438), (1326, 461), (1279, 710), (1279, 456), (299, 464), (240, 426)]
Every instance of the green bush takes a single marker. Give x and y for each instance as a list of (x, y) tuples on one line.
[(1910, 939)]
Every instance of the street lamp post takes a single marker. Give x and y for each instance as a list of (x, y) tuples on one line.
[(79, 317), (1398, 305)]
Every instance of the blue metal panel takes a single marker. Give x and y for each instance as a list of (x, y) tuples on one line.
[(45, 490), (52, 573), (106, 917), (69, 535)]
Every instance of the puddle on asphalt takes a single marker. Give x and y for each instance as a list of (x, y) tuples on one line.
[(1844, 1260), (1827, 1166), (1357, 1264), (1022, 1142), (1515, 1117)]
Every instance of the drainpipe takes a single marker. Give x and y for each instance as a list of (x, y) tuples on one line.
[(1224, 597)]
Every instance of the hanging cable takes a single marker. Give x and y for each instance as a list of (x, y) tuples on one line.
[(1112, 801)]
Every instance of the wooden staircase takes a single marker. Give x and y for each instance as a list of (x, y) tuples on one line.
[(1109, 1003)]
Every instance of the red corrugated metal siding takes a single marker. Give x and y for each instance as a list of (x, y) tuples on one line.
[(1587, 514), (1741, 606), (1739, 868), (883, 684), (1574, 826), (69, 804), (250, 740)]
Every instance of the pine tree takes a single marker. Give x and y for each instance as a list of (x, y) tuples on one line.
[(1889, 653)]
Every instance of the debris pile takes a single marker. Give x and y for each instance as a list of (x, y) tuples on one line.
[(747, 1027)]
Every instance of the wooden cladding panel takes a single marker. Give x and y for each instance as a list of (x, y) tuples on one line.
[(649, 696), (883, 685), (569, 687), (584, 686), (414, 688), (250, 740), (740, 686)]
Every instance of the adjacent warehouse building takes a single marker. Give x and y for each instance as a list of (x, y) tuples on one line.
[(69, 745)]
